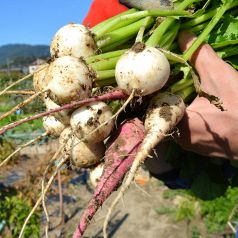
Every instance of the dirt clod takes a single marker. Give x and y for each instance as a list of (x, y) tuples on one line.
[(165, 112), (138, 47)]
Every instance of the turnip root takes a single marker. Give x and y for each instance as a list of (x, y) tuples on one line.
[(142, 68), (84, 154), (88, 118), (53, 126), (62, 116), (65, 135), (164, 112), (73, 40), (95, 174), (118, 159), (69, 79), (39, 82)]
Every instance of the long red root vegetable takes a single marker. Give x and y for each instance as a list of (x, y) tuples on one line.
[(164, 112), (118, 159), (113, 95)]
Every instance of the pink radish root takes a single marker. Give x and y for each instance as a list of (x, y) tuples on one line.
[(118, 159)]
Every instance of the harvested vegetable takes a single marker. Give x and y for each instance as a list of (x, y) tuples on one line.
[(118, 159), (95, 174), (135, 62), (68, 79), (53, 126), (147, 79), (87, 118), (66, 42), (85, 154)]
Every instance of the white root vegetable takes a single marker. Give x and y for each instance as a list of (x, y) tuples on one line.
[(142, 68), (39, 82), (53, 126), (164, 112), (63, 116), (73, 40), (95, 174), (69, 79), (65, 135), (84, 154), (87, 118)]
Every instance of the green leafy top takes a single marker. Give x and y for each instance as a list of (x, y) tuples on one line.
[(225, 34)]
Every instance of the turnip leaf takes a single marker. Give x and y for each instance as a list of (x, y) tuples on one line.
[(225, 34)]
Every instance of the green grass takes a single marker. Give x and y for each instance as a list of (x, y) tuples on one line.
[(6, 106), (165, 210), (214, 213), (14, 209)]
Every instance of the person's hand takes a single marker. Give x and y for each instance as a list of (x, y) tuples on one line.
[(205, 129)]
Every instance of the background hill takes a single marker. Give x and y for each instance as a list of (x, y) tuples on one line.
[(21, 54)]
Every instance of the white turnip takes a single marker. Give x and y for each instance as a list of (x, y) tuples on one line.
[(69, 79), (63, 116), (39, 82), (84, 154), (52, 125), (88, 118), (73, 40), (95, 174), (143, 69)]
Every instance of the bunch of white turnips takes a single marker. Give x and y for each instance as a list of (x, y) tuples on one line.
[(140, 71), (68, 78)]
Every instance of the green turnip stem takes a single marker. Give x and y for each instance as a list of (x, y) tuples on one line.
[(120, 19), (186, 93), (106, 82), (139, 37), (122, 33), (220, 12), (104, 23), (105, 78), (128, 18), (96, 58), (228, 51), (156, 37), (180, 85), (120, 43), (105, 74), (105, 64), (198, 20), (198, 28), (173, 57), (223, 44), (170, 36), (205, 17)]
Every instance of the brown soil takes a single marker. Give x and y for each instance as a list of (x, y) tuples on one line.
[(134, 217)]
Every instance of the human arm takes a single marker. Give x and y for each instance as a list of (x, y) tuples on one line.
[(205, 129)]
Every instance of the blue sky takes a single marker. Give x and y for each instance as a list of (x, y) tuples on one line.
[(36, 21)]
